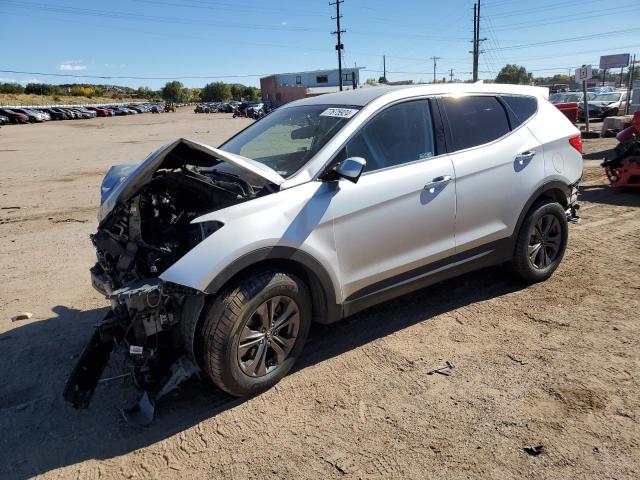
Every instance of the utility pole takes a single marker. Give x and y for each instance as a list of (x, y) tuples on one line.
[(475, 43), (631, 72), (451, 75), (476, 39), (338, 32), (435, 59), (384, 68)]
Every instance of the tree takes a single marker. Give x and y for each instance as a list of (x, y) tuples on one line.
[(382, 80), (82, 91), (514, 74), (193, 94), (173, 91), (251, 93), (216, 92), (11, 88), (146, 93), (236, 91), (40, 89)]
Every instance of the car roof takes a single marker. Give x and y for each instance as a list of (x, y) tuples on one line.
[(363, 96)]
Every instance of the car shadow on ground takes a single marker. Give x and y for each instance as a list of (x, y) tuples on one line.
[(40, 432), (623, 197), (600, 155)]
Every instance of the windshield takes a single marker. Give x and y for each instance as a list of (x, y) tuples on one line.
[(607, 97), (286, 139)]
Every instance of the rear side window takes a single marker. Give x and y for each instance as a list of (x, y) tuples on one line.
[(522, 107), (475, 120)]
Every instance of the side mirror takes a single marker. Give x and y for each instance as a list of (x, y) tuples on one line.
[(351, 168)]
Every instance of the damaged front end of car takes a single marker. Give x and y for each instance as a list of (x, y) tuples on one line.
[(146, 224)]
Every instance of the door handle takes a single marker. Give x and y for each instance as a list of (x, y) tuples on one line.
[(525, 156), (437, 182)]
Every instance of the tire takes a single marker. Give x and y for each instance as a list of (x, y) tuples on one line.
[(241, 353), (545, 227)]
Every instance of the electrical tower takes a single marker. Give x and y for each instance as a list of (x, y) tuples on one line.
[(451, 75), (338, 32)]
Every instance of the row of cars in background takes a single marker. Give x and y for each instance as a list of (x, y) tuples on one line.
[(601, 103), (17, 115), (253, 110)]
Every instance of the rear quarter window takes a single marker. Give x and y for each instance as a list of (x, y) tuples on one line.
[(475, 120), (521, 107)]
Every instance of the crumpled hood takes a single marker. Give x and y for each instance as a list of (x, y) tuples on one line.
[(123, 181)]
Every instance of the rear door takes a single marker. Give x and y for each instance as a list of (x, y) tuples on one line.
[(388, 224), (498, 163)]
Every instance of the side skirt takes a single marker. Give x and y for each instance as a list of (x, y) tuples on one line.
[(491, 254)]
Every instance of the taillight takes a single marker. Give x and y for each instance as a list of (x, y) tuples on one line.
[(576, 142)]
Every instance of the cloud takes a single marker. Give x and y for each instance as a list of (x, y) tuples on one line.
[(72, 66)]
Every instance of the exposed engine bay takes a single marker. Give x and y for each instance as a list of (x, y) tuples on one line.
[(152, 230), (146, 232)]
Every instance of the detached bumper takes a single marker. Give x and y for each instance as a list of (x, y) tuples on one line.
[(94, 358), (155, 319)]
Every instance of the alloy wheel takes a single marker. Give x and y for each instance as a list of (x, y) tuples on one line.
[(545, 241), (268, 336)]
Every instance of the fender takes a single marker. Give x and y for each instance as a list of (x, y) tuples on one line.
[(545, 187), (303, 259)]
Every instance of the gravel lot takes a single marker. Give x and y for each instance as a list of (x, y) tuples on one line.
[(555, 365)]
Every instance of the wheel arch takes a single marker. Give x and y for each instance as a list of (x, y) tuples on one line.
[(291, 260), (556, 191)]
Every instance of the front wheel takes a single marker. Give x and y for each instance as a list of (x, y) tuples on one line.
[(253, 334), (541, 242)]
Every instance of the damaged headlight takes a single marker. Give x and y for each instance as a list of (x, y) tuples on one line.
[(114, 177)]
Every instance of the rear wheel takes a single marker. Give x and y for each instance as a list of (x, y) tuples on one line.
[(541, 242), (253, 334)]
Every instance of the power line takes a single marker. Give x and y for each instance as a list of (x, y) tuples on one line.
[(543, 8), (556, 20), (128, 77), (571, 39), (119, 15)]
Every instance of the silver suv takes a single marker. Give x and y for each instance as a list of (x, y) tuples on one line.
[(219, 259)]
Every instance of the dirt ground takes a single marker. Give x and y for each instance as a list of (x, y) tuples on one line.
[(555, 365)]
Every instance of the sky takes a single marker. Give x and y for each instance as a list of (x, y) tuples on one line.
[(149, 42)]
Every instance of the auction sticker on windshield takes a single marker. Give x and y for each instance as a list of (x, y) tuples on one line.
[(339, 112)]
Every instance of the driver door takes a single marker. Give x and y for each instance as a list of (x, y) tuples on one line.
[(400, 215)]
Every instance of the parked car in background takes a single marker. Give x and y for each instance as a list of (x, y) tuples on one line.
[(4, 120), (605, 105), (157, 109), (14, 117), (612, 103), (327, 206), (569, 97), (119, 111), (599, 90), (54, 114), (33, 115), (100, 111), (67, 114), (83, 112)]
